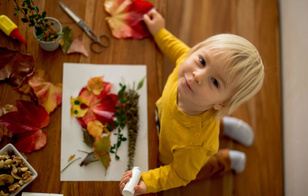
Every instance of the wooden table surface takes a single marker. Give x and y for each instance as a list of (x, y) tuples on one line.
[(121, 51)]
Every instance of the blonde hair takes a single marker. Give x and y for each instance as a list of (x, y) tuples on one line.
[(244, 64)]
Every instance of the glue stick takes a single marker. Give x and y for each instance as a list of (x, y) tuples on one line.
[(10, 29), (129, 187)]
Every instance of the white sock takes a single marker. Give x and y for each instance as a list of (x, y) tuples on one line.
[(238, 160), (238, 130)]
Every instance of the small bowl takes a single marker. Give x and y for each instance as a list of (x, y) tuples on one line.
[(17, 153)]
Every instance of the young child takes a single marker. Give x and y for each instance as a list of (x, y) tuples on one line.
[(209, 81)]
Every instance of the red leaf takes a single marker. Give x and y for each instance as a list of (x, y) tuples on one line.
[(26, 124), (30, 142), (101, 107), (127, 18), (14, 66)]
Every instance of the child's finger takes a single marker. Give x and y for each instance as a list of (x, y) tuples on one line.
[(125, 179)]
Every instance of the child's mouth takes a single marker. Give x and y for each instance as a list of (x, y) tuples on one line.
[(188, 85)]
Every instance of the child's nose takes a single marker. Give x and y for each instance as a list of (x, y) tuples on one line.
[(196, 77)]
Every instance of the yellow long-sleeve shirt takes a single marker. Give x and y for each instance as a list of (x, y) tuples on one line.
[(185, 142)]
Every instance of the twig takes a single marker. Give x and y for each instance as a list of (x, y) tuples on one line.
[(69, 164)]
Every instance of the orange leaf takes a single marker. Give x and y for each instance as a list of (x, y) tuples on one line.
[(96, 85), (48, 94)]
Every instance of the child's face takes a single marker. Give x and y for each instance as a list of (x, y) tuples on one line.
[(201, 82)]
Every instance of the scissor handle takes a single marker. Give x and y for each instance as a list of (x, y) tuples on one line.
[(101, 45)]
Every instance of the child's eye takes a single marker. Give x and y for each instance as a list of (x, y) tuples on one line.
[(202, 61), (215, 82)]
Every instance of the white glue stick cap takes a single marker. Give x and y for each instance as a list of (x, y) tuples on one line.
[(134, 180)]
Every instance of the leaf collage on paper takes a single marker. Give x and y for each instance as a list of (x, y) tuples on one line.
[(126, 18), (91, 105), (95, 109)]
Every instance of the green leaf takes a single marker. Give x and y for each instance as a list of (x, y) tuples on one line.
[(87, 138), (123, 139), (140, 84), (117, 157), (67, 39), (36, 8), (25, 20), (43, 14), (101, 150), (119, 143)]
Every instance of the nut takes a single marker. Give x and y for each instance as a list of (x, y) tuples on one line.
[(14, 187), (2, 193), (14, 173), (24, 169), (8, 161), (27, 176), (1, 164)]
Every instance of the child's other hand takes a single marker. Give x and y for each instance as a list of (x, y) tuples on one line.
[(154, 21), (139, 189)]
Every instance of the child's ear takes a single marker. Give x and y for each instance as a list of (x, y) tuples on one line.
[(219, 106)]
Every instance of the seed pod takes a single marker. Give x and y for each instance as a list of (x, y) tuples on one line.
[(132, 118)]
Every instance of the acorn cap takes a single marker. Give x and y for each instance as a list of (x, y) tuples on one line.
[(15, 34)]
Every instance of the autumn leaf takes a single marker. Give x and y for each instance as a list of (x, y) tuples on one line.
[(101, 150), (49, 95), (4, 110), (96, 129), (126, 18), (87, 138), (14, 66), (98, 107), (27, 124), (101, 108), (67, 39), (96, 85), (78, 47)]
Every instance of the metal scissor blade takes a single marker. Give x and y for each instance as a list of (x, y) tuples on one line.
[(70, 13)]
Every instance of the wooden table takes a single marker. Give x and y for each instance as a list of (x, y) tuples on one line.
[(125, 51)]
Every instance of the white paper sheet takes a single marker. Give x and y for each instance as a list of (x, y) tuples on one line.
[(76, 76)]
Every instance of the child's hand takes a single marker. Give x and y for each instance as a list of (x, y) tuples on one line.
[(154, 21), (139, 189)]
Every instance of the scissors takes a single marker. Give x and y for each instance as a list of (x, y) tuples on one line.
[(96, 39)]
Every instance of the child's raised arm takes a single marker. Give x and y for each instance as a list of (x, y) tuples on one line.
[(154, 21)]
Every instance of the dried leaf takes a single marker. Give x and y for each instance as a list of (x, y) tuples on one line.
[(78, 47), (71, 158), (14, 66), (26, 124), (48, 94), (96, 85), (4, 110), (87, 138), (101, 107), (67, 39), (79, 107), (126, 18), (89, 158), (101, 150), (96, 129)]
